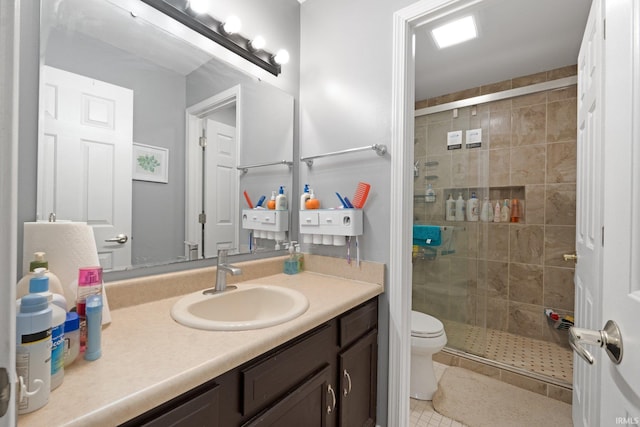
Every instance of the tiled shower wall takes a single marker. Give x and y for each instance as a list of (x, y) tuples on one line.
[(502, 275)]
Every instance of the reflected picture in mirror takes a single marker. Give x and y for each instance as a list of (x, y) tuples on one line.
[(110, 78)]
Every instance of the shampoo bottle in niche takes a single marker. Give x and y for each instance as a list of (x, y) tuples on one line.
[(515, 211), (460, 208), (304, 197), (496, 212), (281, 200), (430, 194), (472, 208), (450, 209), (505, 212), (33, 352), (486, 212), (39, 284)]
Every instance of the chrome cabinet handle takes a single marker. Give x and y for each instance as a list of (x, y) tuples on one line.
[(348, 377), (609, 338), (120, 238), (331, 407)]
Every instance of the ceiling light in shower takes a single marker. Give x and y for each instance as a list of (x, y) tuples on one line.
[(455, 32)]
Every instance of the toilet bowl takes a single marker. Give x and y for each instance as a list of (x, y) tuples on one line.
[(427, 338)]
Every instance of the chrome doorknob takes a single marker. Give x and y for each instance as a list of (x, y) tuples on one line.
[(120, 238), (609, 338)]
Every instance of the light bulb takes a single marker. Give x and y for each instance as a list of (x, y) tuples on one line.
[(232, 25), (199, 6), (258, 43), (281, 57)]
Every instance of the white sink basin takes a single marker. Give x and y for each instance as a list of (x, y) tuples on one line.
[(252, 306)]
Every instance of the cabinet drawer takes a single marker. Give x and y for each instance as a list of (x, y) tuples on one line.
[(358, 322), (272, 377), (199, 406)]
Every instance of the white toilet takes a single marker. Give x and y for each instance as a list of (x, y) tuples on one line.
[(427, 338)]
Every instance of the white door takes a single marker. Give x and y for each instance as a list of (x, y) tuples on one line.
[(84, 159), (220, 183), (607, 226)]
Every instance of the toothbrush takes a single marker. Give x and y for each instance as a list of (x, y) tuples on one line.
[(259, 204), (248, 199), (348, 202), (344, 204), (349, 250), (357, 253)]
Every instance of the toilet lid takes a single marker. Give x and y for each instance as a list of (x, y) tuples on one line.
[(425, 326)]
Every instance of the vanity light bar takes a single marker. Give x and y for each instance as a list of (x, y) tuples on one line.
[(211, 28)]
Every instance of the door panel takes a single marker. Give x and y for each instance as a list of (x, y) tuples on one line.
[(84, 158), (221, 177)]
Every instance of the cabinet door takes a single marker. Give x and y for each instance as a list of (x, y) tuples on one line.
[(358, 382), (307, 405)]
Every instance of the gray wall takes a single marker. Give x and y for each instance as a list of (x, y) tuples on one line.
[(345, 98)]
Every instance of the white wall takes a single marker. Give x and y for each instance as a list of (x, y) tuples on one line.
[(345, 102)]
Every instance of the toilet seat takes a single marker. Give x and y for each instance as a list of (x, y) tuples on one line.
[(425, 326)]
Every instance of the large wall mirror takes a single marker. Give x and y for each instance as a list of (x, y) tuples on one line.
[(124, 104)]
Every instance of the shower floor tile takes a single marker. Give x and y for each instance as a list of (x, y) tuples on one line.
[(541, 357)]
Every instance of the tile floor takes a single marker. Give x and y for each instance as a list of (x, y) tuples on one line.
[(422, 413), (542, 357)]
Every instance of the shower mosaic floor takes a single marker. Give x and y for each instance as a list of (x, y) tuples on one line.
[(533, 355)]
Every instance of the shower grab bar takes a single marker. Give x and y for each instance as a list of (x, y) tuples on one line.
[(380, 149), (246, 168)]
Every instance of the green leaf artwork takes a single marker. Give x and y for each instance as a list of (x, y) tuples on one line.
[(148, 162)]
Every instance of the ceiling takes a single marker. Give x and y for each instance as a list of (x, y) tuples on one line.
[(516, 38)]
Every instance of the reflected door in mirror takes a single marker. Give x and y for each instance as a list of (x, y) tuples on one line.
[(84, 164)]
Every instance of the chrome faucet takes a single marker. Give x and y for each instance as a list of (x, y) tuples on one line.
[(221, 274)]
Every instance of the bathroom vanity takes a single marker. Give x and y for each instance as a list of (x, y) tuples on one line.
[(154, 371)]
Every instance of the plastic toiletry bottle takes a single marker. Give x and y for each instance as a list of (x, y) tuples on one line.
[(486, 211), (39, 284), (89, 283), (71, 338), (39, 261), (33, 351), (496, 212), (430, 194), (472, 208), (312, 203), (281, 200), (304, 197), (515, 211), (505, 212), (291, 263), (300, 258), (94, 327), (450, 209), (460, 207), (271, 204)]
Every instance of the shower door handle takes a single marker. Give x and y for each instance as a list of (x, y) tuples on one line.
[(609, 338)]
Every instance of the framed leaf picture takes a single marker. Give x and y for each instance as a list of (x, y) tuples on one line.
[(150, 163)]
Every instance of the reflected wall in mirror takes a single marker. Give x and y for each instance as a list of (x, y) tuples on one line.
[(110, 79)]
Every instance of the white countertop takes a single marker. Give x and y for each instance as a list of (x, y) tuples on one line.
[(148, 358)]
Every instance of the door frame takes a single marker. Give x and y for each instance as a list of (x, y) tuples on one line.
[(405, 21), (9, 88), (194, 114)]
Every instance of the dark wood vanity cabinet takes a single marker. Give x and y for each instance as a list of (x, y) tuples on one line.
[(325, 377)]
